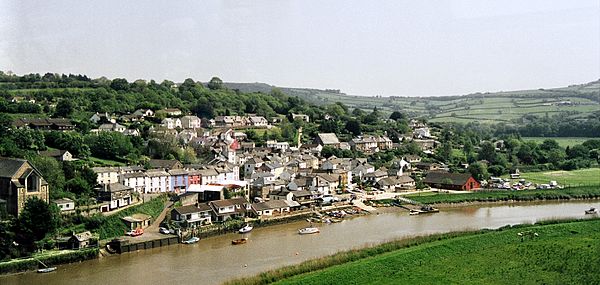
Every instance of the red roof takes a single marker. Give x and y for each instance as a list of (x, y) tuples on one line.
[(235, 145)]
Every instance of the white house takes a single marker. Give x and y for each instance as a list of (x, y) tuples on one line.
[(135, 180), (190, 122), (258, 121), (157, 181), (193, 215), (65, 204), (106, 175), (171, 123)]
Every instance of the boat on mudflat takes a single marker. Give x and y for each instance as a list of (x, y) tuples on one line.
[(191, 240), (239, 241), (308, 230), (245, 229), (46, 270)]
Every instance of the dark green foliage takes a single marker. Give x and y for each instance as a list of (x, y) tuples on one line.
[(64, 109), (109, 145), (397, 115), (36, 220), (215, 83), (353, 127), (479, 171)]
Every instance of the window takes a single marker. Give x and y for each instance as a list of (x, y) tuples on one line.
[(32, 183)]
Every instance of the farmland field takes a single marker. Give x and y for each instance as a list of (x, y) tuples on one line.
[(563, 142), (560, 253), (573, 102)]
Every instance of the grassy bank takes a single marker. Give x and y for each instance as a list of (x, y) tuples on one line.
[(584, 192), (564, 253), (112, 226), (50, 258)]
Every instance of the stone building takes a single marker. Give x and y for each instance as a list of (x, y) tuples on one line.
[(19, 181)]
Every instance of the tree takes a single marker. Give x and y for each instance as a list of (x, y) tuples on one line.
[(78, 186), (353, 127), (478, 171), (444, 152), (372, 117), (109, 145), (397, 115), (549, 144), (64, 109), (215, 83), (487, 152), (578, 151), (119, 84), (37, 219), (7, 237)]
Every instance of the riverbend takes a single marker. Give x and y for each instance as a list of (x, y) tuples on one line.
[(214, 260)]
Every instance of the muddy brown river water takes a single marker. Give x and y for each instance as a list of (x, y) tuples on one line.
[(215, 260)]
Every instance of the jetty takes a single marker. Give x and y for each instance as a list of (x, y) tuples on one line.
[(414, 207)]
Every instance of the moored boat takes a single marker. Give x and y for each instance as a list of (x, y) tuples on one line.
[(308, 230), (46, 270), (239, 241), (247, 228), (191, 240), (591, 211)]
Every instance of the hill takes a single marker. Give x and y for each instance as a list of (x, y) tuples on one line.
[(575, 101)]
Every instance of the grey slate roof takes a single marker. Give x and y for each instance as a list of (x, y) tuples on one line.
[(10, 166)]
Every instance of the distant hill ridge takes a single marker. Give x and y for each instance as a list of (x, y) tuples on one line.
[(576, 101)]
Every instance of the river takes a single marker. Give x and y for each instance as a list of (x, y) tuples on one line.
[(214, 260)]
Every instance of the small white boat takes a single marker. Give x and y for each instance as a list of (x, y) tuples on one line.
[(245, 229), (191, 240), (308, 230), (46, 270), (591, 211)]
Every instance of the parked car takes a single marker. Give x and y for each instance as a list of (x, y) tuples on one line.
[(164, 231)]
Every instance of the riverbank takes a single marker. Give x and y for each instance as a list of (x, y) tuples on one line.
[(48, 258), (572, 193), (564, 251)]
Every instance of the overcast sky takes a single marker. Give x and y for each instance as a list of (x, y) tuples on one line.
[(361, 47)]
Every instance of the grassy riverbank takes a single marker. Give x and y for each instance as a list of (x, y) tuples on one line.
[(565, 252), (49, 258), (583, 192)]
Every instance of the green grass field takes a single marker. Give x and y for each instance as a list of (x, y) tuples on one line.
[(590, 176), (563, 142), (562, 253), (586, 192)]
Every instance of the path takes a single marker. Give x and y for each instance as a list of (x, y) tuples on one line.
[(156, 224)]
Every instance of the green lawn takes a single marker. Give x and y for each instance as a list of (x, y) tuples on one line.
[(563, 142), (105, 162), (590, 176), (563, 253)]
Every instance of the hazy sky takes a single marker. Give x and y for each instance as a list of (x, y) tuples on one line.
[(361, 47)]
